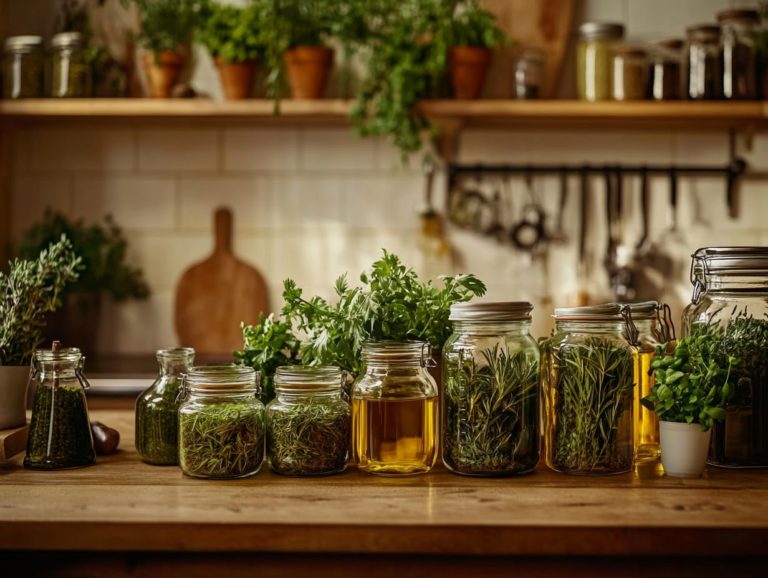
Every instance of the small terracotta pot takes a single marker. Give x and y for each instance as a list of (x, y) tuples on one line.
[(236, 78), (163, 72), (468, 65), (308, 68)]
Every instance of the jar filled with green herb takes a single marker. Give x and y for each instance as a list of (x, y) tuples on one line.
[(70, 69), (221, 423), (60, 431), (308, 422), (157, 409), (593, 59), (589, 386), (23, 70), (491, 390)]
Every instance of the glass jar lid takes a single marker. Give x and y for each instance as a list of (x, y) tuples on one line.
[(601, 31), (703, 32), (591, 313), (729, 261), (498, 311), (58, 357), (298, 378), (212, 378), (629, 51), (176, 354), (27, 43), (671, 44), (747, 16), (398, 352), (67, 40)]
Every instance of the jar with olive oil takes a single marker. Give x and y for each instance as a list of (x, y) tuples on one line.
[(394, 410)]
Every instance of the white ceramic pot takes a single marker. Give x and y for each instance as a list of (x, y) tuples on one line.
[(13, 395), (683, 449)]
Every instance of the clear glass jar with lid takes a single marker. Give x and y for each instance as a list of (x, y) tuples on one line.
[(630, 73), (70, 69), (491, 381), (394, 410), (529, 70), (308, 422), (730, 298), (739, 50), (157, 409), (666, 80), (589, 387), (60, 431), (702, 59), (593, 59), (221, 422), (23, 69)]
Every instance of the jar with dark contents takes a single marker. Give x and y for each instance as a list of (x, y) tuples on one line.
[(23, 67), (70, 70), (739, 53), (529, 70), (630, 73), (703, 62), (667, 59)]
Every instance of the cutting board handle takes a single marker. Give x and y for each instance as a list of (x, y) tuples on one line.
[(222, 225)]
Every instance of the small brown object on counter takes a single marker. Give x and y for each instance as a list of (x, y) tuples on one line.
[(13, 441), (105, 439)]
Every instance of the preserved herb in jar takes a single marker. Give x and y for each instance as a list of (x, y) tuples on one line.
[(665, 72), (739, 53), (703, 63), (221, 423), (630, 73), (593, 59), (71, 71), (308, 422), (157, 409), (23, 72), (60, 431), (491, 390)]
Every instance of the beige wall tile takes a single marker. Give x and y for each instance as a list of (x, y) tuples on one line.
[(178, 150), (31, 196), (75, 149), (256, 149), (250, 199), (337, 149), (138, 326)]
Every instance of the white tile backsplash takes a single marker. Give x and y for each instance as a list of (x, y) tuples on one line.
[(178, 150), (73, 149), (261, 149), (31, 196), (337, 150), (250, 199)]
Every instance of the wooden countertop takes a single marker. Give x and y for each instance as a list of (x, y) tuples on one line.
[(123, 505)]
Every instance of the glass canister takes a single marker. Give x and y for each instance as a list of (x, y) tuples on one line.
[(394, 410), (593, 59), (529, 70), (157, 409), (60, 431), (665, 71), (70, 70), (589, 386), (23, 70), (630, 73), (221, 422), (702, 58), (490, 405), (739, 52), (730, 298), (308, 422)]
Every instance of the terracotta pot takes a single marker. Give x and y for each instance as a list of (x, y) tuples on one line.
[(163, 72), (468, 65), (308, 68), (236, 78), (13, 395), (76, 323)]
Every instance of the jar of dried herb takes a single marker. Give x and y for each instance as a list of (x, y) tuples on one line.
[(491, 390), (221, 423), (23, 70), (593, 59), (630, 73), (589, 385), (739, 53), (702, 59), (70, 69), (665, 70), (60, 431), (308, 422), (157, 409)]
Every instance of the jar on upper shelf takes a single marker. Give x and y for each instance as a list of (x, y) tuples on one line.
[(739, 53), (594, 56), (702, 61), (23, 67), (666, 80), (70, 69), (529, 71), (630, 73)]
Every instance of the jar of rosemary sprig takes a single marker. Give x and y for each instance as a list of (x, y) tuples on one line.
[(730, 299), (308, 422), (221, 422), (157, 409), (491, 390), (589, 391)]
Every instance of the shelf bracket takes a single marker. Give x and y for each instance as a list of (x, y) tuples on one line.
[(447, 138)]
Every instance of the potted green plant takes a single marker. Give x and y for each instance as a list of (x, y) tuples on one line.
[(29, 290), (690, 393), (103, 270), (232, 35)]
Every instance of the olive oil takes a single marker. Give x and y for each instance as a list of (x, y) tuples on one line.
[(394, 436), (646, 423)]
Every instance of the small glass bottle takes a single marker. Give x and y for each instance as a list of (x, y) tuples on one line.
[(23, 70), (630, 73), (529, 70), (308, 422), (665, 72), (221, 423), (60, 431), (593, 59), (157, 409), (491, 390), (702, 59), (70, 72), (394, 410), (739, 53)]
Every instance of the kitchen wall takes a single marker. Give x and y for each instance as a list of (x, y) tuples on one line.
[(313, 202)]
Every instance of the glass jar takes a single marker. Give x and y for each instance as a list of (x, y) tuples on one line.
[(739, 52), (491, 390), (593, 59), (529, 70), (730, 297), (157, 409), (394, 410), (221, 422), (308, 423), (702, 57), (630, 73), (589, 386), (23, 74), (665, 71), (70, 70), (60, 431)]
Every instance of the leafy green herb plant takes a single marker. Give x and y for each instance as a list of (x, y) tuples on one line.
[(233, 33), (167, 25), (472, 25)]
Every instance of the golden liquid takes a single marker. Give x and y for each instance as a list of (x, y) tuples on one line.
[(646, 426), (395, 436)]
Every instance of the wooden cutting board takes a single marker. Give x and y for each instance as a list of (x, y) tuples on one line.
[(215, 295)]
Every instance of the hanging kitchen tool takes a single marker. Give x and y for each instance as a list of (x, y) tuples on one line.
[(435, 247), (469, 207), (496, 227), (558, 234), (529, 233)]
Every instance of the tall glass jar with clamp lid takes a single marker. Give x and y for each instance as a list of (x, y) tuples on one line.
[(70, 69), (23, 67)]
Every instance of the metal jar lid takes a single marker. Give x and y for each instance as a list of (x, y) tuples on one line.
[(601, 31), (67, 40), (23, 43), (703, 32), (671, 44), (749, 16), (499, 311), (729, 261), (603, 312)]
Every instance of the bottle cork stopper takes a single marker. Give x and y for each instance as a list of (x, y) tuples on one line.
[(56, 346)]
